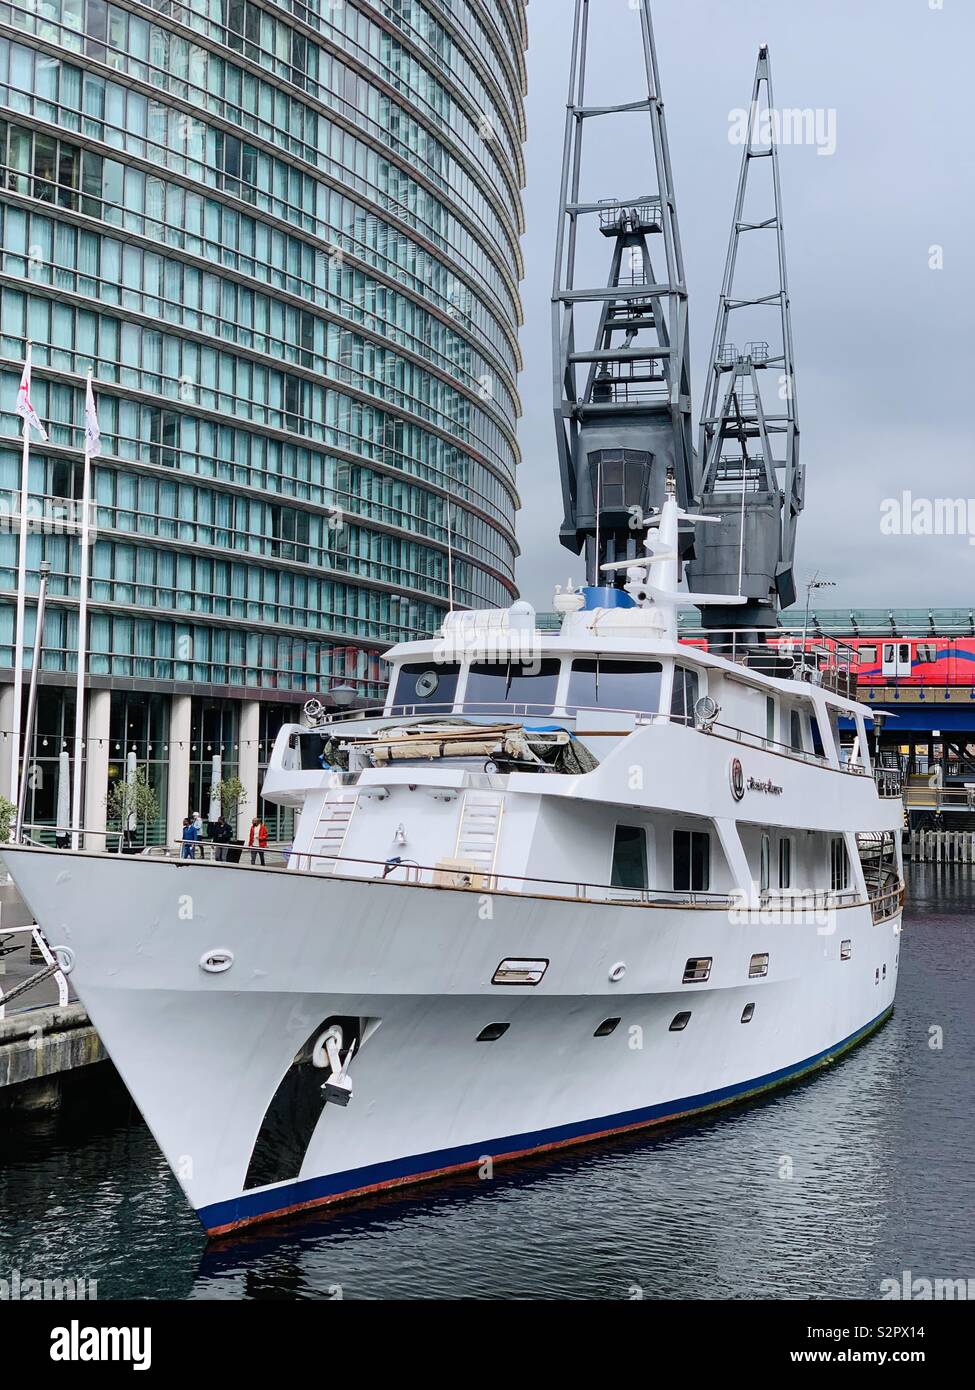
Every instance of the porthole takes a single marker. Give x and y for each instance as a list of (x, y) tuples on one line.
[(608, 1025), (697, 970), (846, 950), (885, 972), (876, 976), (492, 1032), (748, 1013), (679, 1022), (758, 966)]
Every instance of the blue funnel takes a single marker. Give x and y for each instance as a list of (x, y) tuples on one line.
[(606, 598)]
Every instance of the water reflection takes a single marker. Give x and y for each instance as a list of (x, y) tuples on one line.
[(822, 1190)]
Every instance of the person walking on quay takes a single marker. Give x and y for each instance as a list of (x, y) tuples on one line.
[(188, 848), (197, 820), (257, 839), (221, 835)]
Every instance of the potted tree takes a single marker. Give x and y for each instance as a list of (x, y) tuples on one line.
[(131, 800)]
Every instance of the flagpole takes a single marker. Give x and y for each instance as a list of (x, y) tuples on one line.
[(28, 414), (79, 713), (21, 618)]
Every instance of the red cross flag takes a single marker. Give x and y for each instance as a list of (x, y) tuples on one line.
[(23, 408)]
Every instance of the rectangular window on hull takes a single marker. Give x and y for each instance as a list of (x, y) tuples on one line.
[(692, 861), (621, 685), (697, 971), (629, 857)]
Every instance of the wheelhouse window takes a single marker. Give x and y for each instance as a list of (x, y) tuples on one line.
[(622, 685), (769, 719), (685, 695), (692, 861), (629, 857), (839, 865), (513, 683), (795, 731), (424, 683)]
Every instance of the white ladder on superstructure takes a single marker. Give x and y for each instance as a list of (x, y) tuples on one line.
[(328, 839), (479, 830)]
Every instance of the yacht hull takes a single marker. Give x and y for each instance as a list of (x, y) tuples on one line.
[(210, 1058)]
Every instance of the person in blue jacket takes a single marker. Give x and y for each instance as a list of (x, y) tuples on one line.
[(190, 837)]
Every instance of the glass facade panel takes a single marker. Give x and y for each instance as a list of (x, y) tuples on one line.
[(285, 240)]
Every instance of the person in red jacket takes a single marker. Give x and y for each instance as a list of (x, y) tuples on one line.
[(257, 839)]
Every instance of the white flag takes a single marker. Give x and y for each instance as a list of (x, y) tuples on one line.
[(23, 408), (93, 439)]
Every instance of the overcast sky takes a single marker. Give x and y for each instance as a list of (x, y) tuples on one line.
[(885, 346)]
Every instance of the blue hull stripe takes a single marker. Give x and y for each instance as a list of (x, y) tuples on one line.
[(254, 1206)]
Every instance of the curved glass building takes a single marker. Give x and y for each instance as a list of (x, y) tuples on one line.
[(285, 238)]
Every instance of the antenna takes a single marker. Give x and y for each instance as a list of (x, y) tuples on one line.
[(748, 454), (622, 409)]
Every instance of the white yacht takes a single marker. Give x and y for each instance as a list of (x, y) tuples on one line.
[(564, 884)]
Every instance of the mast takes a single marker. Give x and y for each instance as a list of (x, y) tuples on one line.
[(623, 408), (748, 454)]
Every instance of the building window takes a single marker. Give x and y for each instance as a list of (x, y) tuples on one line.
[(629, 857), (748, 1013), (692, 861), (697, 970), (785, 862), (846, 950), (608, 1025), (839, 865), (758, 966), (679, 1022), (492, 1032)]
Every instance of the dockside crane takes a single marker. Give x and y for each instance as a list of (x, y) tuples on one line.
[(748, 456), (623, 406)]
